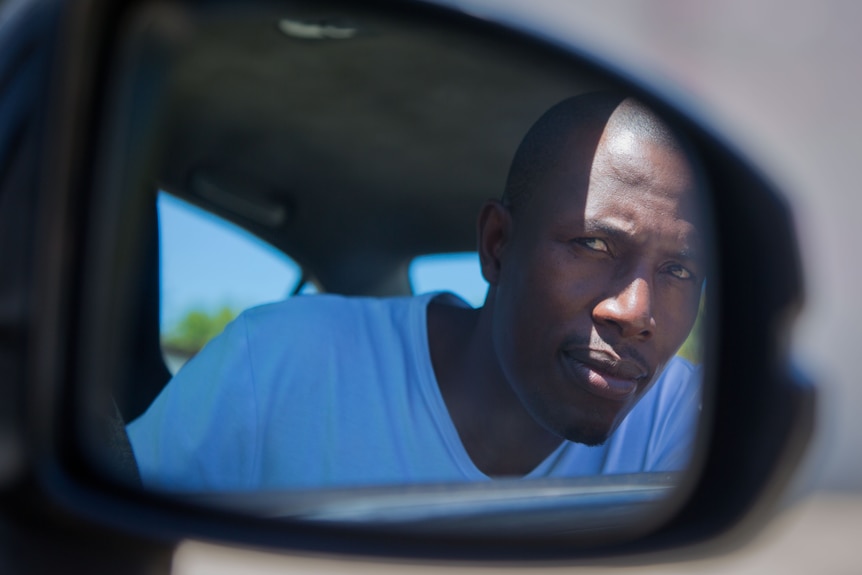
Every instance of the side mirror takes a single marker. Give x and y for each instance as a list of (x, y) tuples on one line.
[(267, 115)]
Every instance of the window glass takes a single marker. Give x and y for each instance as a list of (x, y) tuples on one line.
[(455, 272), (692, 347), (211, 270)]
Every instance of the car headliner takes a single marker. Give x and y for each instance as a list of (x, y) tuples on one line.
[(352, 155)]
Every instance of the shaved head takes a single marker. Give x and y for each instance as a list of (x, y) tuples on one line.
[(595, 263), (579, 119)]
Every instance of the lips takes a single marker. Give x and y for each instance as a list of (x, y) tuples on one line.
[(604, 374)]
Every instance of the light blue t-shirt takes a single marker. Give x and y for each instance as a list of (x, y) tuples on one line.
[(329, 391)]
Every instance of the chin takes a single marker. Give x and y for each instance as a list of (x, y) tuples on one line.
[(581, 419), (590, 433), (590, 438)]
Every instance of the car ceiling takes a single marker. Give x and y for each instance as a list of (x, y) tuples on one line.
[(351, 154)]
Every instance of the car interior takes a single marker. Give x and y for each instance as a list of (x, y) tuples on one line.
[(353, 145), (353, 139), (352, 154)]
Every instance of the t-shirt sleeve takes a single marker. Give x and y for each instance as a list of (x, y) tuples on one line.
[(200, 433)]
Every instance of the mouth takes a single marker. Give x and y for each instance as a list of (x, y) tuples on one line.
[(604, 374)]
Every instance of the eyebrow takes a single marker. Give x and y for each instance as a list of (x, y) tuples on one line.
[(606, 228), (617, 232)]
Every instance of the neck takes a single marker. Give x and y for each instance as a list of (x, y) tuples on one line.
[(498, 433)]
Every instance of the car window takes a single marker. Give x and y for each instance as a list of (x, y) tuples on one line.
[(692, 347), (454, 272), (211, 270)]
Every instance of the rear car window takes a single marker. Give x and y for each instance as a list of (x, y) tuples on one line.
[(211, 270), (458, 273)]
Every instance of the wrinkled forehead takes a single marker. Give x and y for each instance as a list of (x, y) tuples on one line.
[(646, 185), (625, 175), (657, 168)]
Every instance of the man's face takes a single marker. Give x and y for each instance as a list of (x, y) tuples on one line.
[(599, 283)]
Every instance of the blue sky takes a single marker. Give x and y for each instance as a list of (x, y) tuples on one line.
[(208, 263)]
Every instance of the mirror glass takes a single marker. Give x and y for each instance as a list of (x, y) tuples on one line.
[(394, 268)]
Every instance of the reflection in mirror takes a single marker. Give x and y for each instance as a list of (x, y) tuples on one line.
[(457, 273), (211, 270), (540, 377)]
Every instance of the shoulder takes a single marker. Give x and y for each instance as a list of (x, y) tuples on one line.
[(303, 306), (321, 319), (680, 374), (678, 385), (658, 433), (319, 305), (676, 396), (681, 368), (315, 313)]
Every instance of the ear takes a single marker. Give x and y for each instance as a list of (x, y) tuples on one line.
[(495, 229)]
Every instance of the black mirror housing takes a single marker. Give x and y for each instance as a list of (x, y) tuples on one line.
[(56, 62)]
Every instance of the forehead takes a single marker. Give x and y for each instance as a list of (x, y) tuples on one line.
[(630, 182), (642, 174)]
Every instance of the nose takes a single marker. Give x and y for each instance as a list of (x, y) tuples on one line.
[(629, 310)]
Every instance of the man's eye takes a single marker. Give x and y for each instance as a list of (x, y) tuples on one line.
[(680, 272), (595, 244)]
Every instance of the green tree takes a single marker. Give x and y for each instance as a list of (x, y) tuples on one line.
[(692, 347), (196, 327)]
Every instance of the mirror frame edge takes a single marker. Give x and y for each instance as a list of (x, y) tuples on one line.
[(701, 519)]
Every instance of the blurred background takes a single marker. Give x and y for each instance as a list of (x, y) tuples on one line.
[(782, 79)]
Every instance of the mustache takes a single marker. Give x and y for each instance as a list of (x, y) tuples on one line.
[(625, 353)]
